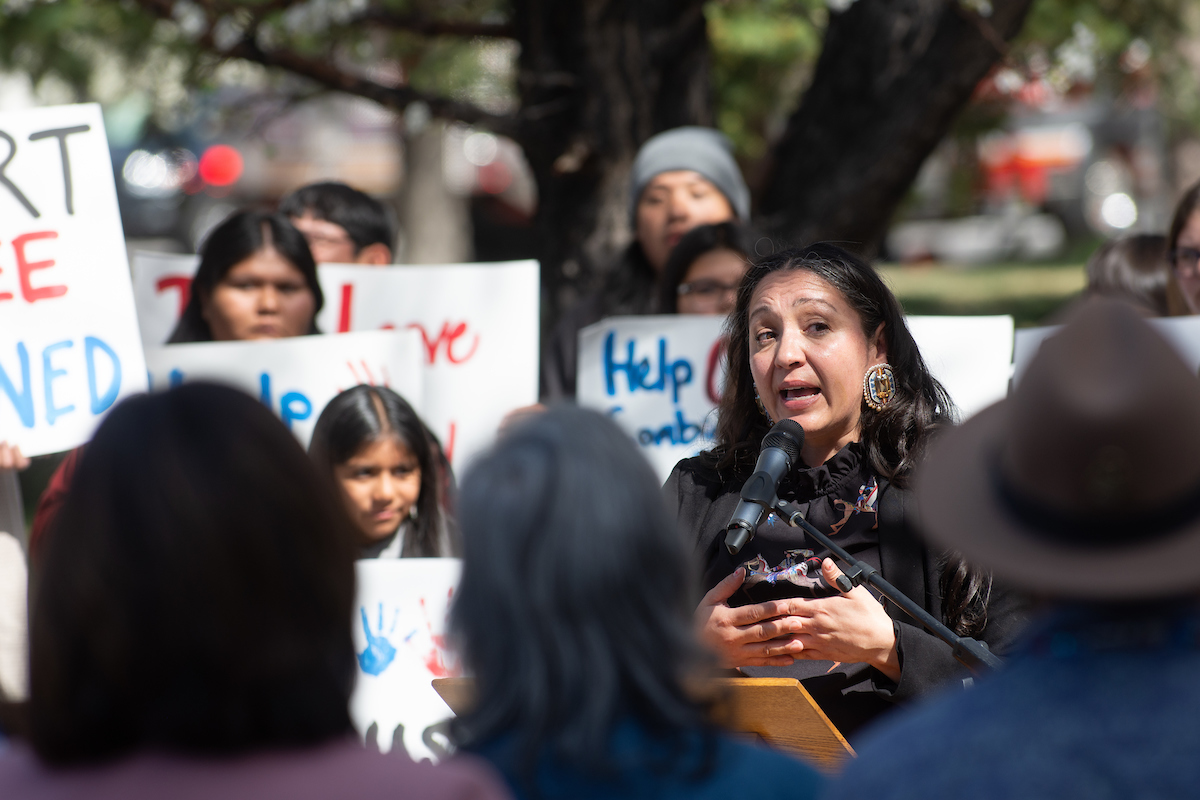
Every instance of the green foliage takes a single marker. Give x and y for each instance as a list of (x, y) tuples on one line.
[(62, 39), (763, 53), (68, 39)]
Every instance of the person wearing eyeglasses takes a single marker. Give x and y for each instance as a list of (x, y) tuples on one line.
[(1183, 252), (702, 274), (342, 225)]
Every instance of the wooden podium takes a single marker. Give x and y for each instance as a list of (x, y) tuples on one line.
[(779, 710)]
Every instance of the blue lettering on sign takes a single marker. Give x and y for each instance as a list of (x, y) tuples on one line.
[(294, 407), (637, 373), (49, 374), (23, 401), (678, 431), (101, 403)]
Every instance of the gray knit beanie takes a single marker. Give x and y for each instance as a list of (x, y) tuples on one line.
[(703, 150)]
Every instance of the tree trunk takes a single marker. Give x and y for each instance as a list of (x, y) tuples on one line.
[(596, 79), (891, 78), (435, 221)]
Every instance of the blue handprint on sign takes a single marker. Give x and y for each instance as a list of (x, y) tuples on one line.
[(379, 652)]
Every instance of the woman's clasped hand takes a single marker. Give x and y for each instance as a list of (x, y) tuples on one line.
[(850, 627)]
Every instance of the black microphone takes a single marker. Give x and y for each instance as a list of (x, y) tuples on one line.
[(780, 452)]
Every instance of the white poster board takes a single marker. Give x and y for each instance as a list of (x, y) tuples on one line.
[(1182, 333), (69, 343), (162, 284), (660, 376), (971, 356), (297, 377), (478, 325), (400, 638)]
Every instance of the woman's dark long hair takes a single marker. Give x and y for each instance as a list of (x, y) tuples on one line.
[(195, 589), (365, 414), (894, 438), (236, 239), (695, 243), (575, 607)]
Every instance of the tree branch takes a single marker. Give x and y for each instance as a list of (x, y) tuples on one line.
[(426, 26), (328, 74)]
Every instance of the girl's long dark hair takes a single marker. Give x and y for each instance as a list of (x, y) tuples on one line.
[(239, 237), (575, 607), (894, 438), (364, 414)]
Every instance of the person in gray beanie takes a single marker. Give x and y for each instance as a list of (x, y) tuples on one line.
[(680, 179)]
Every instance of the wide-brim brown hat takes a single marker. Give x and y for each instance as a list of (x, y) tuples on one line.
[(1085, 482)]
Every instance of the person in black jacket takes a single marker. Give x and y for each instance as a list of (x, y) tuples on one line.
[(817, 337)]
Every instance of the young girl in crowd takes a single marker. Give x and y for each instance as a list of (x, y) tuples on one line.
[(575, 616), (385, 463), (256, 280)]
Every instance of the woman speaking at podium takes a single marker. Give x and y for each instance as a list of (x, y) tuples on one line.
[(818, 338)]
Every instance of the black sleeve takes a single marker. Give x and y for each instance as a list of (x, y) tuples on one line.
[(927, 663)]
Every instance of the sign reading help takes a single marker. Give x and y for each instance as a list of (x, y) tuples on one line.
[(400, 638), (661, 377), (69, 343), (297, 377), (478, 326)]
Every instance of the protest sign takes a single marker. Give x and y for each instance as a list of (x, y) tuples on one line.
[(660, 377), (297, 377), (971, 356), (1182, 333), (162, 285), (400, 640), (69, 343), (478, 325)]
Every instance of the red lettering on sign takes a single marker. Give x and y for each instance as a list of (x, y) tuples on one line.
[(710, 380), (344, 314), (25, 267), (181, 283), (449, 448), (5, 295), (450, 336)]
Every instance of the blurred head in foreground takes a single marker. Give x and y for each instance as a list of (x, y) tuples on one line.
[(1084, 483), (1135, 269), (575, 608), (196, 593), (342, 224), (256, 280)]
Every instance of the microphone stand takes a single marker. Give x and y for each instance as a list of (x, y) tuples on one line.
[(971, 653)]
